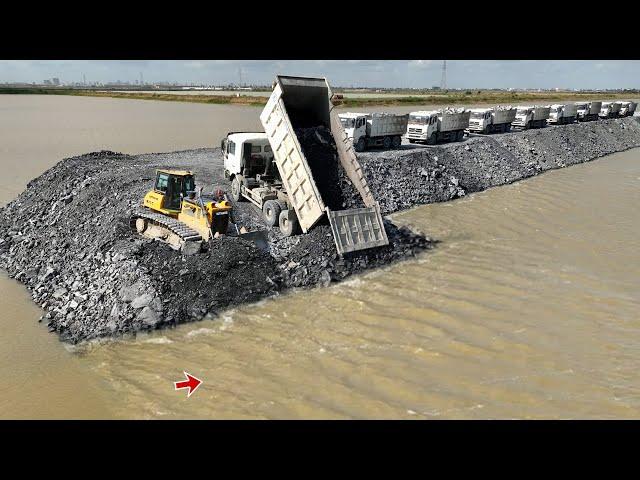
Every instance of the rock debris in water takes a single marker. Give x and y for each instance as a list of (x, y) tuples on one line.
[(67, 236)]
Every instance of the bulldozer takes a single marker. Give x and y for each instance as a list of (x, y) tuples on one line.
[(175, 213)]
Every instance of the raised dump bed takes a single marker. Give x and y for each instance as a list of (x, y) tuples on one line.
[(298, 104)]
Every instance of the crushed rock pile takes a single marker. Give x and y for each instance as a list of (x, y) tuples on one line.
[(400, 179), (67, 238)]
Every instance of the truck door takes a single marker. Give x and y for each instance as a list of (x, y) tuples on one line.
[(245, 163)]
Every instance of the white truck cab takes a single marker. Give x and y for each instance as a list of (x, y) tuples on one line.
[(354, 124), (245, 153), (422, 125), (480, 120)]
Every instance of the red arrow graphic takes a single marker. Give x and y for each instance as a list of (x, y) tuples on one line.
[(192, 383)]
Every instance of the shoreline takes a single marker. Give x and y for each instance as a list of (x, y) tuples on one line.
[(94, 278), (471, 99)]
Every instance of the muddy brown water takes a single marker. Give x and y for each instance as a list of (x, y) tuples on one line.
[(527, 309)]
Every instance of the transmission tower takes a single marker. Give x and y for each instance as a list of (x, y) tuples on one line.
[(240, 75), (443, 80)]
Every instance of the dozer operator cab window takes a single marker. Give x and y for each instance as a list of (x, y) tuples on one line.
[(162, 182), (231, 147)]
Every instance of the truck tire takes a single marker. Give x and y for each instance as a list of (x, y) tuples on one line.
[(361, 145), (460, 135), (288, 223), (386, 143), (486, 130), (433, 139), (271, 210), (507, 127), (236, 189), (397, 141)]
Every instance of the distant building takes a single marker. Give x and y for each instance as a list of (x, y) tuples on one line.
[(55, 81), (47, 82)]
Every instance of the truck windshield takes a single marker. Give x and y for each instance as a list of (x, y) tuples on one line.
[(347, 122), (418, 119), (477, 115), (522, 111)]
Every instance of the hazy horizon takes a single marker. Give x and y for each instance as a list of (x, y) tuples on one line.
[(569, 74)]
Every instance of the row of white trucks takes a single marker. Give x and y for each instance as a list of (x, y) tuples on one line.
[(385, 130), (270, 170)]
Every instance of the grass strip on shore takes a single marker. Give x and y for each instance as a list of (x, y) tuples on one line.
[(445, 98)]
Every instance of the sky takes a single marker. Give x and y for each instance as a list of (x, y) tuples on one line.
[(581, 74)]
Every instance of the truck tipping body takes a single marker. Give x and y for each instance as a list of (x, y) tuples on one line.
[(531, 117), (374, 129), (563, 114), (587, 111), (301, 102), (439, 125), (489, 120)]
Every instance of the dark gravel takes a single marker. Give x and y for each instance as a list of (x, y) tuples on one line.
[(67, 238), (413, 175)]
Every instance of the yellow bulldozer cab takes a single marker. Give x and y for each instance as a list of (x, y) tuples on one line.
[(170, 187)]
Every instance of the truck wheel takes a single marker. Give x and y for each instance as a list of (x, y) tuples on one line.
[(386, 143), (486, 130), (288, 223), (432, 139), (271, 210), (235, 189), (396, 141), (360, 146), (460, 135), (507, 127)]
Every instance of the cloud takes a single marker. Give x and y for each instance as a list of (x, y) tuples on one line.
[(420, 63), (194, 65)]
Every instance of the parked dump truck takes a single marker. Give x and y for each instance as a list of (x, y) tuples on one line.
[(562, 114), (489, 120), (446, 125), (627, 109), (531, 117), (368, 130), (610, 109), (293, 195), (587, 111)]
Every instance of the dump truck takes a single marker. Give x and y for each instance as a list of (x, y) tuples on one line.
[(446, 125), (368, 130), (303, 102), (588, 111), (610, 109), (627, 109), (534, 116), (562, 114), (489, 120)]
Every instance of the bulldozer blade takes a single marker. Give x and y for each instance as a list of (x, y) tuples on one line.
[(259, 237)]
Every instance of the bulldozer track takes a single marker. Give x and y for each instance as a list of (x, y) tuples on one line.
[(186, 233)]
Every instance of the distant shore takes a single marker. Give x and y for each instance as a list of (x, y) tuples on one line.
[(469, 97)]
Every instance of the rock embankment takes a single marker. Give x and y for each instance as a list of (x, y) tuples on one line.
[(400, 179), (67, 236)]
